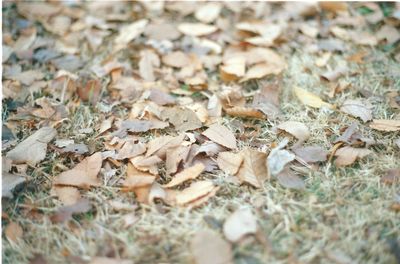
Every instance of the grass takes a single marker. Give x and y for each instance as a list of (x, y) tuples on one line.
[(342, 216)]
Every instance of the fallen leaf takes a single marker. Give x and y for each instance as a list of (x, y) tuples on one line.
[(67, 195), (297, 129), (174, 157), (239, 224), (9, 182), (233, 68), (334, 7), (311, 153), (349, 135), (348, 155), (182, 119), (176, 59), (162, 31), (105, 260), (208, 12), (208, 247), (357, 108), (288, 179), (253, 169), (187, 174), (147, 62), (260, 70), (278, 158), (196, 29), (244, 112), (194, 192), (310, 99), (385, 125), (129, 32), (90, 91), (33, 149), (392, 176), (75, 148), (65, 213), (131, 150), (335, 74), (160, 97), (229, 162), (222, 135), (83, 175), (140, 182), (389, 33), (13, 232), (160, 145)]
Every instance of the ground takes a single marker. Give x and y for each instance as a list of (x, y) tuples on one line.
[(343, 215)]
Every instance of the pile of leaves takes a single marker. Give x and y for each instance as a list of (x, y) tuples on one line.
[(181, 97)]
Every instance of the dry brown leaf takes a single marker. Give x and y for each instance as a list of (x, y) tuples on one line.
[(196, 191), (297, 129), (196, 29), (229, 162), (260, 70), (357, 108), (244, 112), (253, 169), (335, 74), (388, 32), (9, 182), (385, 125), (33, 149), (129, 32), (348, 155), (239, 224), (233, 68), (145, 163), (131, 150), (90, 91), (392, 176), (176, 59), (334, 7), (310, 99), (222, 135), (187, 174), (67, 195), (182, 119), (267, 99), (311, 153), (208, 12), (13, 232), (137, 179), (208, 247), (148, 60), (83, 175), (162, 31), (174, 157), (287, 178), (160, 145), (65, 213), (161, 98)]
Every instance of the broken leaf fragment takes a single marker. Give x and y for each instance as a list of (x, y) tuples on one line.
[(348, 155), (385, 125), (310, 99), (187, 174), (33, 149), (239, 224)]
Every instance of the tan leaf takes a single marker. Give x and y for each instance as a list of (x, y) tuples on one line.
[(162, 31), (33, 149), (239, 224), (310, 99), (229, 162), (222, 135), (196, 191), (187, 174), (333, 6), (147, 62), (106, 125), (174, 157), (136, 178), (233, 68), (392, 176), (240, 111), (196, 29), (83, 175), (9, 182), (297, 129), (160, 145), (131, 150), (288, 179), (357, 108), (385, 125), (144, 163), (176, 59), (311, 153), (208, 247), (65, 213), (260, 70), (208, 12), (348, 155), (253, 169), (13, 232), (182, 119), (67, 195), (129, 32)]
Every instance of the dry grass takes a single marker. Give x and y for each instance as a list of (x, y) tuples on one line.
[(342, 216)]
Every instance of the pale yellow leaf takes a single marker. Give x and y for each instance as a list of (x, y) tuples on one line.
[(196, 29), (385, 125)]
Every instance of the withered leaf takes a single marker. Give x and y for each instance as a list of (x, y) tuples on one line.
[(208, 247), (287, 178), (297, 129), (196, 29), (131, 150), (244, 112), (348, 155), (176, 59), (83, 175), (182, 119), (129, 32), (208, 12), (161, 144), (310, 99), (311, 153), (253, 169), (278, 158), (194, 192), (76, 148), (65, 213), (222, 135), (13, 232), (239, 224), (357, 108), (392, 176), (174, 157), (67, 195), (9, 182), (385, 125), (33, 149), (233, 68), (229, 162), (187, 174), (160, 97)]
